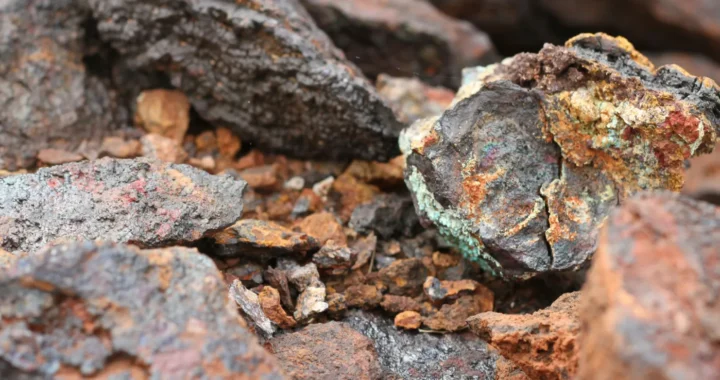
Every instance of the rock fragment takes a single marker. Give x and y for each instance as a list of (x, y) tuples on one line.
[(333, 259), (650, 304), (163, 112), (388, 215), (311, 302), (262, 239), (83, 316), (278, 280), (408, 320), (300, 276), (327, 351), (364, 247), (269, 299), (438, 291), (404, 277), (52, 156), (240, 63), (398, 304), (263, 178), (117, 147), (363, 296), (453, 316), (137, 201), (407, 37), (544, 344), (323, 226), (161, 148), (249, 303), (523, 168), (412, 99)]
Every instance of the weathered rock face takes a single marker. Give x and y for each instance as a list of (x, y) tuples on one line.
[(402, 37), (239, 63), (527, 163), (412, 99), (99, 309), (330, 350), (543, 344), (137, 201), (651, 305), (262, 239), (49, 98)]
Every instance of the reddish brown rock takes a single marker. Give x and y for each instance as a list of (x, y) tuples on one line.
[(386, 175), (438, 291), (453, 316), (353, 193), (249, 305), (87, 309), (162, 148), (363, 296), (544, 344), (408, 320), (138, 201), (323, 226), (364, 248), (651, 307), (262, 239), (118, 147), (261, 177), (404, 277), (228, 144), (57, 156), (398, 304), (269, 299), (333, 259), (163, 112), (327, 351), (412, 99)]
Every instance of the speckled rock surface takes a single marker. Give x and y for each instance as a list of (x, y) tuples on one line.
[(524, 167), (105, 310), (137, 201)]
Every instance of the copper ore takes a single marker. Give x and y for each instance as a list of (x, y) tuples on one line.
[(525, 165)]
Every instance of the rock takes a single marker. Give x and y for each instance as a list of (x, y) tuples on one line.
[(695, 64), (228, 144), (385, 175), (363, 296), (650, 304), (322, 188), (269, 299), (352, 193), (398, 304), (364, 247), (333, 259), (86, 309), (323, 227), (388, 215), (118, 147), (263, 178), (409, 355), (702, 179), (407, 37), (262, 239), (438, 291), (295, 183), (408, 320), (299, 276), (412, 99), (278, 280), (452, 317), (57, 156), (404, 277), (7, 259), (544, 344), (162, 148), (327, 351), (275, 59), (163, 112), (206, 163), (561, 136), (251, 274), (311, 302), (50, 99), (137, 201), (250, 305)]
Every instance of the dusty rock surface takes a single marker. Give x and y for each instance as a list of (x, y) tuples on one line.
[(650, 306), (137, 201), (262, 239), (106, 310)]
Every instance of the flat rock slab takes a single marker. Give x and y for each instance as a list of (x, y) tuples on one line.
[(262, 239), (543, 344), (136, 201), (651, 305), (402, 37), (107, 310), (526, 164), (260, 67)]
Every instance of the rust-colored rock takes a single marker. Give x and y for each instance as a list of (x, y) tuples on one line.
[(262, 239), (52, 156), (261, 177), (650, 306), (438, 291), (118, 147), (323, 226), (363, 296), (105, 310), (364, 248), (269, 299), (353, 193), (386, 175), (416, 38), (249, 304), (404, 277), (137, 201), (544, 344), (525, 166), (163, 112), (330, 350), (453, 316), (161, 148), (412, 99), (278, 280), (333, 259), (398, 304), (228, 143), (408, 320)]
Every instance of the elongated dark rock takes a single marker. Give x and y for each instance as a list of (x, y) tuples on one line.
[(525, 165), (261, 67), (137, 201), (114, 311)]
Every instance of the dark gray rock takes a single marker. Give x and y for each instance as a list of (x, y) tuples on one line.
[(388, 215)]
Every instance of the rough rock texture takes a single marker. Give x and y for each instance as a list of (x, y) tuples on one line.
[(112, 311), (387, 215), (239, 63), (163, 112), (402, 37), (323, 226), (453, 316), (409, 320), (249, 303), (330, 350), (544, 344), (524, 167), (262, 239), (651, 306), (411, 99), (270, 303), (137, 201), (431, 356), (404, 277), (48, 98)]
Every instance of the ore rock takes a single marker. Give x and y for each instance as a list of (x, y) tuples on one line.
[(136, 201), (333, 259), (262, 239), (160, 148), (163, 112), (363, 296), (49, 98), (544, 344), (388, 215), (311, 302), (239, 63), (249, 303), (525, 166), (104, 310), (412, 99), (407, 37), (453, 316), (270, 302), (650, 306), (408, 320), (404, 277)]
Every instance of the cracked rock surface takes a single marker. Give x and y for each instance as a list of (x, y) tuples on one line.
[(160, 313), (525, 165), (136, 201)]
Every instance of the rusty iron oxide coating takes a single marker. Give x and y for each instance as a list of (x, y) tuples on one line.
[(262, 239), (651, 306), (527, 163), (402, 37), (261, 67), (49, 98), (110, 310), (136, 201)]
